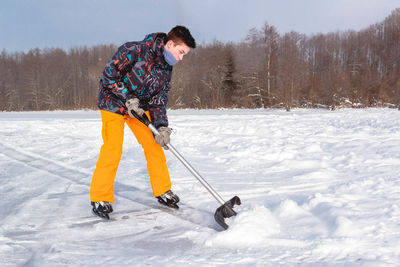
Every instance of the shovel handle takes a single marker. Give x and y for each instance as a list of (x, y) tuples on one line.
[(195, 173), (145, 120)]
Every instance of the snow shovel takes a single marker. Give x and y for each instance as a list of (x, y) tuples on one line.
[(226, 208)]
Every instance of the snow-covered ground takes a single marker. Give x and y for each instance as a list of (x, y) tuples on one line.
[(318, 188)]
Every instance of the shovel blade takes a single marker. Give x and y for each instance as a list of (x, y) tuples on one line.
[(226, 211)]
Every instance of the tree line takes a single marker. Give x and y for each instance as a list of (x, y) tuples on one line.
[(266, 70)]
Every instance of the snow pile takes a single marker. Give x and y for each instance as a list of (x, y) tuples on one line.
[(346, 228), (251, 227)]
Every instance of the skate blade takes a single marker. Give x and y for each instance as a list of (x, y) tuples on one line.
[(174, 206)]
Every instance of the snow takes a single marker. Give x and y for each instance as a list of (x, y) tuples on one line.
[(318, 188)]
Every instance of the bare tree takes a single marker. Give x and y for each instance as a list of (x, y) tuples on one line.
[(352, 68)]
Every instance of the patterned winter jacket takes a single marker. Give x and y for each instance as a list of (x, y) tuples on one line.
[(138, 69)]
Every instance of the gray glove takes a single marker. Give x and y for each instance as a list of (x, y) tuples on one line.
[(133, 104), (163, 138)]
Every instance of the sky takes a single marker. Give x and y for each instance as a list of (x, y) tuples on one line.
[(28, 24)]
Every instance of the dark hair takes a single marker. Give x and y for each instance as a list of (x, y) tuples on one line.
[(180, 34)]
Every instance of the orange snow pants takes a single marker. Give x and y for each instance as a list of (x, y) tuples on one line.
[(102, 185)]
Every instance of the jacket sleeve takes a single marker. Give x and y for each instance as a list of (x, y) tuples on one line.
[(158, 108), (116, 68)]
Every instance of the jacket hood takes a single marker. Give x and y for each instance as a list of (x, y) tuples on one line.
[(155, 41)]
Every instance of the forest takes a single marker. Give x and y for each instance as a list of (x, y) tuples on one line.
[(353, 69)]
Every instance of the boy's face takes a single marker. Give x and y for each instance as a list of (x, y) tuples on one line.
[(177, 50)]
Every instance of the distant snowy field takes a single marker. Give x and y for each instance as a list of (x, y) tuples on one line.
[(319, 188)]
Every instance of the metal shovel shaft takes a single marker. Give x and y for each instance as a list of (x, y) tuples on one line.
[(190, 168)]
